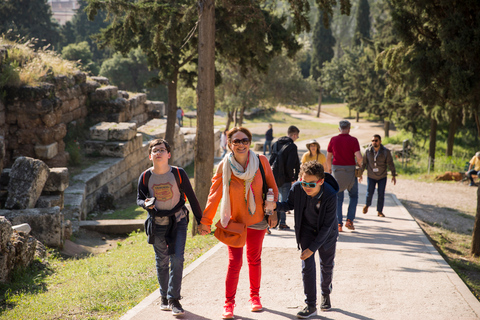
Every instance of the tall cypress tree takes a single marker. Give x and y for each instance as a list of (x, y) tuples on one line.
[(363, 25), (322, 45)]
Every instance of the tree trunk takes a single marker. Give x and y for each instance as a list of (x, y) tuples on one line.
[(204, 140), (386, 128), (452, 129), (476, 229), (242, 114), (172, 113), (229, 119), (433, 141), (319, 109), (235, 118), (357, 118), (477, 122)]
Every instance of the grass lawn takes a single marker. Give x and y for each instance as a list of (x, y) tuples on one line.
[(103, 286)]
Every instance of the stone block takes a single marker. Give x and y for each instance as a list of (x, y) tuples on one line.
[(122, 131), (5, 232), (154, 129), (57, 180), (46, 223), (24, 227), (50, 201), (46, 151), (89, 87), (100, 131), (27, 179), (104, 93), (102, 80)]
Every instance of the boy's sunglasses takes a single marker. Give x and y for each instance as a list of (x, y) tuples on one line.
[(244, 141), (309, 184)]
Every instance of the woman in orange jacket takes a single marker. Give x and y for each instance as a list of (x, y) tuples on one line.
[(237, 185)]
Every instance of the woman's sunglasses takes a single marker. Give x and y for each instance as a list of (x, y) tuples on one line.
[(309, 184), (244, 141)]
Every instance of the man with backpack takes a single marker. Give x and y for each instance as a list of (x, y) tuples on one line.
[(285, 167)]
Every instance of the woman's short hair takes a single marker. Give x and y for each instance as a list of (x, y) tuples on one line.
[(157, 142), (237, 129), (312, 168)]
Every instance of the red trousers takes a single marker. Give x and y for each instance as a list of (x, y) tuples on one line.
[(254, 258)]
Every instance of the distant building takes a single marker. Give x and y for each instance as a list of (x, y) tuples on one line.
[(63, 10)]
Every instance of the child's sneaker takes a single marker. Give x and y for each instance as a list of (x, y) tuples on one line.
[(307, 312), (164, 304), (176, 307)]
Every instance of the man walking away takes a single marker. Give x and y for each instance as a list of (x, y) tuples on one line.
[(376, 160), (341, 154), (285, 166)]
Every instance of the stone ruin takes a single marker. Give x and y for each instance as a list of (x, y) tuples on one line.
[(32, 195)]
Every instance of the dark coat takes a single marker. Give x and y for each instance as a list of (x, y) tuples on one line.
[(327, 224)]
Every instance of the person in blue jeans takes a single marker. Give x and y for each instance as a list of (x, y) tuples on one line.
[(285, 148), (313, 199), (162, 191), (377, 160)]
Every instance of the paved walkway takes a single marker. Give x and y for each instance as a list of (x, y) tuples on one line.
[(385, 269)]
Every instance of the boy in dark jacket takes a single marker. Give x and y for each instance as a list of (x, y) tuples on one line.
[(314, 199), (161, 191)]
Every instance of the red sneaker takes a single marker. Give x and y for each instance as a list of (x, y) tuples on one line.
[(349, 224), (228, 310), (340, 228), (255, 304)]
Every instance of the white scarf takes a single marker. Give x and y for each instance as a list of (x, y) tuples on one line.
[(230, 165)]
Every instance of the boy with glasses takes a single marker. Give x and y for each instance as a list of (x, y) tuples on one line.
[(162, 191), (314, 200), (376, 160)]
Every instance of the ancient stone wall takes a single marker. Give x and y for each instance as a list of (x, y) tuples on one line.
[(34, 120)]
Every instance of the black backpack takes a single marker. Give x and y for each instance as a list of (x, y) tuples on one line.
[(277, 162)]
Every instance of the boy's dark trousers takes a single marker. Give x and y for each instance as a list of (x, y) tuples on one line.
[(327, 257)]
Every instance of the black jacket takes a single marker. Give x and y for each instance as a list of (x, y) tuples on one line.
[(327, 224), (290, 156)]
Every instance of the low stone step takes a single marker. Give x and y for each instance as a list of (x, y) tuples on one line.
[(113, 226)]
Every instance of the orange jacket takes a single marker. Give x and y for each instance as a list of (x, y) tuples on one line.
[(237, 195)]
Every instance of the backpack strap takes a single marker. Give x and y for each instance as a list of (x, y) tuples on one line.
[(264, 187), (178, 178), (146, 177)]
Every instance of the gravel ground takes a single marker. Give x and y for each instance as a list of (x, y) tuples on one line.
[(452, 205)]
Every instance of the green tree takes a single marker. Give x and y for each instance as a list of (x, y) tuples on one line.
[(29, 19), (81, 52), (363, 25), (131, 73), (323, 43), (437, 57)]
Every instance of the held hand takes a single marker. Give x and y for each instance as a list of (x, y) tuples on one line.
[(394, 180), (306, 254), (204, 229), (360, 179), (272, 220), (270, 205)]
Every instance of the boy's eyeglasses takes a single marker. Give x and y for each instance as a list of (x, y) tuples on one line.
[(309, 184), (159, 151), (244, 141)]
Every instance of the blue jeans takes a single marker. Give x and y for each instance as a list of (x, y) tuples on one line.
[(268, 143), (309, 272), (352, 206), (170, 282), (381, 192), (283, 195)]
